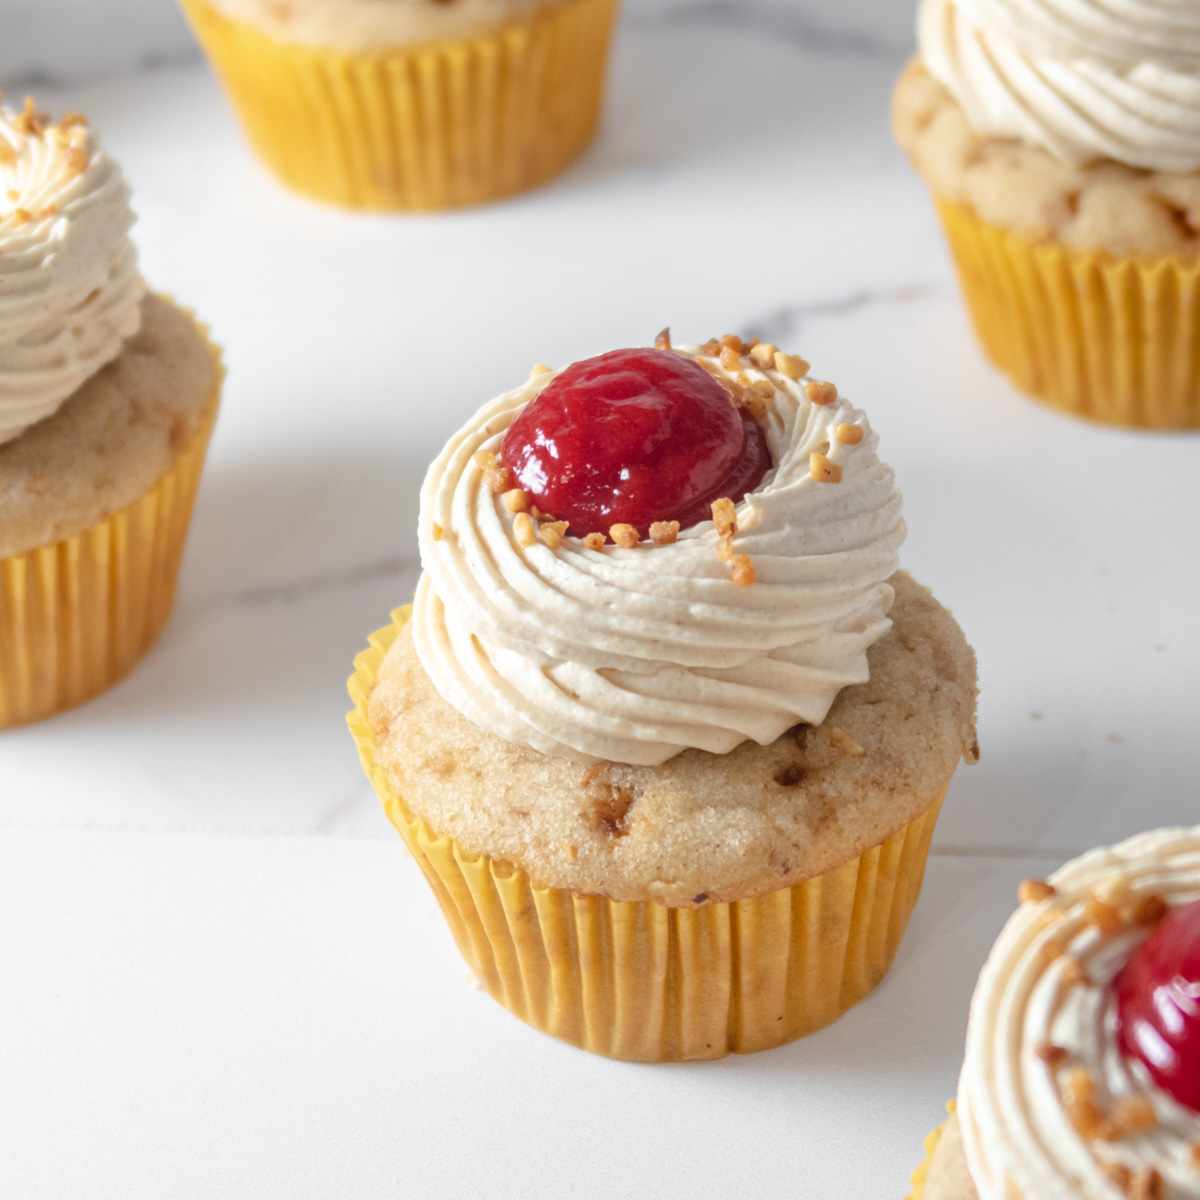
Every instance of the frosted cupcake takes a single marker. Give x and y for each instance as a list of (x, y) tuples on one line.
[(107, 399), (1061, 142), (411, 104), (1082, 1068), (665, 728)]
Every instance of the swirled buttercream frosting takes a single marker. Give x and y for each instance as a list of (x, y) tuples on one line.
[(635, 653), (1048, 1103), (69, 284), (1083, 79)]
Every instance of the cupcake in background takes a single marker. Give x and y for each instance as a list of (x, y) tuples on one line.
[(1062, 147), (666, 729), (411, 104), (107, 399), (1082, 1068)]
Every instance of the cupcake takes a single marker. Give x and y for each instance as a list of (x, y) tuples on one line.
[(411, 104), (665, 728), (1082, 1069), (107, 399), (1061, 143)]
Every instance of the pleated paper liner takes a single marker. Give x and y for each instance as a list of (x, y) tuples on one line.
[(650, 983), (1113, 340), (920, 1177), (422, 127), (76, 616)]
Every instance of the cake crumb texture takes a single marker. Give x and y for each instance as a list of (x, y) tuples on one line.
[(700, 827), (1101, 205), (111, 440)]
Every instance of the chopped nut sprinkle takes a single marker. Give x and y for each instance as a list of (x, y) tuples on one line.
[(822, 470), (1074, 974), (763, 356), (1149, 910), (730, 358), (731, 341), (31, 122), (20, 216), (848, 435), (1085, 1116), (438, 532), (1034, 891), (1080, 1084), (51, 210), (1050, 1054), (1103, 916), (663, 533), (711, 348), (1114, 890), (594, 541), (515, 500), (1135, 1114), (1053, 948), (1147, 1184), (553, 533), (76, 160), (663, 340), (539, 369), (484, 459), (724, 514), (791, 365), (743, 570), (625, 536), (523, 529), (843, 743), (7, 154), (820, 392), (1118, 1174), (725, 547)]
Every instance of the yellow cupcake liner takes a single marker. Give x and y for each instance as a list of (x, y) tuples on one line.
[(646, 982), (1113, 340), (421, 127), (77, 615), (920, 1177)]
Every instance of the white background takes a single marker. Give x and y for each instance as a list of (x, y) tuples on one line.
[(220, 976)]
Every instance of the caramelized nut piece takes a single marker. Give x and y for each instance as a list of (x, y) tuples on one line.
[(663, 533), (1050, 1054), (663, 341), (820, 392), (485, 460), (731, 341), (1053, 948), (1080, 1084), (553, 533), (625, 536), (1034, 891), (515, 500), (822, 470), (1074, 974), (724, 514), (1149, 910), (791, 365), (730, 358), (1118, 1174), (523, 529), (1135, 1114), (743, 570), (76, 161), (438, 532), (763, 356), (843, 743), (1103, 916), (594, 541), (848, 435), (1147, 1184), (710, 348), (1085, 1116)]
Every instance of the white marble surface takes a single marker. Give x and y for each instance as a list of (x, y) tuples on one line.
[(222, 976)]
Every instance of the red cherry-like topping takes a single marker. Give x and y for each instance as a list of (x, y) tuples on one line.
[(1158, 1005), (632, 437)]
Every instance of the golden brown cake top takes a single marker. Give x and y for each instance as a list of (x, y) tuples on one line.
[(700, 827)]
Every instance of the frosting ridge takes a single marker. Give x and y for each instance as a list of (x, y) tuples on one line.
[(69, 285), (1083, 79), (635, 654), (1018, 1135)]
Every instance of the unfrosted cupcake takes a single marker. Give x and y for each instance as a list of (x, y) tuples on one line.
[(1061, 142), (107, 399), (411, 104), (1082, 1068), (666, 729)]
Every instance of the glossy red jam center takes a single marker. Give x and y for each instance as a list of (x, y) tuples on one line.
[(632, 437), (1158, 1005)]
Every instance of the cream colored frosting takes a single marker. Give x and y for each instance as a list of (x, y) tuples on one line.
[(1017, 1136), (366, 25), (633, 655), (69, 285), (1084, 79)]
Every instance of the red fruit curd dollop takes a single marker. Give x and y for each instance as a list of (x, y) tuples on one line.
[(1158, 1005), (632, 437)]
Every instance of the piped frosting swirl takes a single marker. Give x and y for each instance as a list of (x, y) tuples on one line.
[(69, 285), (635, 654), (1013, 1099), (1083, 79)]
